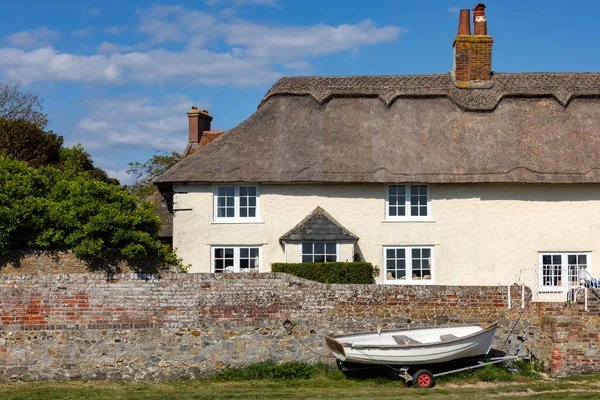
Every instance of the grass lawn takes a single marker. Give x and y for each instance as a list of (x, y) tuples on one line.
[(580, 388)]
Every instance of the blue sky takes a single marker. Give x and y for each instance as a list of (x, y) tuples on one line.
[(118, 76)]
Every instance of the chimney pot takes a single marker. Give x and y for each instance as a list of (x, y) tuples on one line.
[(464, 23), (479, 20)]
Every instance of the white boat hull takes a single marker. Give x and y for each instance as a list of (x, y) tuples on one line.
[(414, 346)]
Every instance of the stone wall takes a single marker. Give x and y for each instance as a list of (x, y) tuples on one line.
[(187, 325)]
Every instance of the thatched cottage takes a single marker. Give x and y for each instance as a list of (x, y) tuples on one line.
[(471, 177)]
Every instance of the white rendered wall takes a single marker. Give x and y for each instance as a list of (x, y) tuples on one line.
[(483, 234)]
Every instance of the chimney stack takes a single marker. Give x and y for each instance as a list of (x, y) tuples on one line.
[(473, 54), (199, 121)]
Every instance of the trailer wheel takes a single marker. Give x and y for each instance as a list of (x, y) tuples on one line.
[(423, 379)]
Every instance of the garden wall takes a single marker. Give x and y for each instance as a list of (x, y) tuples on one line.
[(81, 326)]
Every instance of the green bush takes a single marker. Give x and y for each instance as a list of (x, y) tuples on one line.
[(331, 272), (271, 370)]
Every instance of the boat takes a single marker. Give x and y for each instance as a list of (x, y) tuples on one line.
[(419, 346)]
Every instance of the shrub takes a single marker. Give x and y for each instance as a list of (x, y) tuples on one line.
[(331, 272), (271, 370)]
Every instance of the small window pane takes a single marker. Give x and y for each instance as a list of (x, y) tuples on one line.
[(229, 212), (307, 258), (253, 252), (307, 248), (393, 211), (252, 191), (218, 253), (244, 264), (330, 247), (582, 259), (218, 265), (423, 191), (319, 248), (572, 259), (319, 258), (390, 253), (243, 212), (252, 201), (244, 252), (414, 211), (546, 259), (243, 190), (330, 258), (228, 253)]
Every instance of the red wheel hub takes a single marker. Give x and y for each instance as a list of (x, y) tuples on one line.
[(424, 380)]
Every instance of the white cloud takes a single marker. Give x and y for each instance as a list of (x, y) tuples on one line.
[(257, 53), (137, 122), (155, 66), (278, 43), (34, 38), (94, 11), (83, 32), (115, 30), (453, 10), (111, 48), (242, 2), (173, 24)]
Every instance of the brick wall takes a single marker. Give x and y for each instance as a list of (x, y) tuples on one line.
[(67, 326)]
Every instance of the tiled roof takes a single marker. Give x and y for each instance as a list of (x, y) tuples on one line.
[(318, 226)]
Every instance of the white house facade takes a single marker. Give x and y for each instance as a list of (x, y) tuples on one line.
[(466, 178)]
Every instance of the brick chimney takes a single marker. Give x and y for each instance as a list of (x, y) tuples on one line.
[(199, 121), (473, 53)]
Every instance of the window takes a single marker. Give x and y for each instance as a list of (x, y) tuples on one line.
[(408, 264), (236, 259), (319, 252), (561, 271), (236, 203), (408, 202)]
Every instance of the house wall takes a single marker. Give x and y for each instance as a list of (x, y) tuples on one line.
[(483, 234)]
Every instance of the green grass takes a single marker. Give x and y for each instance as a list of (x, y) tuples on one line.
[(304, 381)]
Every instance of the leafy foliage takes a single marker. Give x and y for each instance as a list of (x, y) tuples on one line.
[(271, 370), (145, 173), (75, 160), (18, 105), (28, 142), (331, 272), (56, 209)]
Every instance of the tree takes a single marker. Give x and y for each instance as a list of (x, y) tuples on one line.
[(27, 141), (145, 173), (76, 160), (15, 104), (53, 209)]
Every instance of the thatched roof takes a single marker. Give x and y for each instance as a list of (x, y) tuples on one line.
[(319, 225), (514, 128)]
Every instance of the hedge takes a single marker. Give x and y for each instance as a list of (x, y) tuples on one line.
[(331, 272)]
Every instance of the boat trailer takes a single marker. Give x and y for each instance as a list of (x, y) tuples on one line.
[(424, 378)]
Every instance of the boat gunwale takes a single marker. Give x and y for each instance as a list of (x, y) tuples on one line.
[(486, 328)]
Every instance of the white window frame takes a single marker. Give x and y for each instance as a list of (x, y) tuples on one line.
[(409, 280), (236, 256), (564, 270), (236, 205), (337, 249), (407, 203)]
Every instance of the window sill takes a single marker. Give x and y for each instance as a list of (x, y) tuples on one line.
[(236, 221), (429, 282), (406, 220)]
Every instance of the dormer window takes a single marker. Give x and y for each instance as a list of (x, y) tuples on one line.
[(236, 203)]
